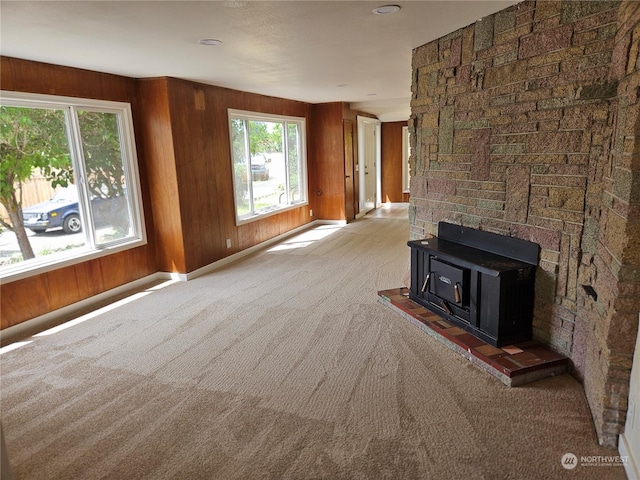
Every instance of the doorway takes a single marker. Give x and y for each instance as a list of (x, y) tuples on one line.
[(350, 205), (368, 164)]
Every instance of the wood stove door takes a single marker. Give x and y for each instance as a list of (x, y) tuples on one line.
[(449, 282)]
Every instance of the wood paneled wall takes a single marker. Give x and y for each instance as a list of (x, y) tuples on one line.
[(155, 133), (327, 147), (186, 126), (392, 161), (27, 298), (349, 115), (334, 159), (182, 138)]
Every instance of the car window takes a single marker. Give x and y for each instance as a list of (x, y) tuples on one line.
[(68, 194), (258, 159)]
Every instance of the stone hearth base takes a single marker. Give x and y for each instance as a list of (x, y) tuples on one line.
[(513, 365)]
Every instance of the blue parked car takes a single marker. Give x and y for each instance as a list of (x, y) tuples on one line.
[(259, 167), (60, 211)]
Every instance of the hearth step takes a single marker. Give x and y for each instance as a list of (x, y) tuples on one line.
[(513, 365)]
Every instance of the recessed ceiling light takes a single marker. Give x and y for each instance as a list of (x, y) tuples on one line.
[(386, 9), (210, 41)]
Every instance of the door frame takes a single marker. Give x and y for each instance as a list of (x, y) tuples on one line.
[(350, 201), (361, 161)]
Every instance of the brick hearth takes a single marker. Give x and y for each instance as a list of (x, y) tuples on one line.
[(513, 365)]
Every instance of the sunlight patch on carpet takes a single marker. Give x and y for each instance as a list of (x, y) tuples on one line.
[(306, 238)]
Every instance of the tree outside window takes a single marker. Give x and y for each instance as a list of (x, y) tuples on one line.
[(83, 150), (268, 163)]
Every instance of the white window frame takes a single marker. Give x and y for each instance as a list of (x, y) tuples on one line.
[(91, 250), (304, 188)]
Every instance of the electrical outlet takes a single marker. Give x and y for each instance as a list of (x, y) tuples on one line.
[(228, 243), (311, 213)]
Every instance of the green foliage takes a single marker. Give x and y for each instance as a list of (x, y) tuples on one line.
[(30, 139), (294, 158), (49, 251), (237, 141), (102, 153), (264, 137), (241, 185), (15, 258)]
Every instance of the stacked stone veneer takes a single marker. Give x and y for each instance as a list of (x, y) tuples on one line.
[(526, 124)]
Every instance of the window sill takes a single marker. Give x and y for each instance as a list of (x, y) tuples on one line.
[(262, 215), (19, 271)]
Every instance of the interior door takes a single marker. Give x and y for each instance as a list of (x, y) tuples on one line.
[(369, 166), (349, 172), (368, 156)]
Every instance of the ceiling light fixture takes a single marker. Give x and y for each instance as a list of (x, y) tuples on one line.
[(210, 41), (386, 9)]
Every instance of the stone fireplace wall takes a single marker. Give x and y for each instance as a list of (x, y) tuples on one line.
[(526, 124)]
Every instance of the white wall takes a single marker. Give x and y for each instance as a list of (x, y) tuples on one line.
[(629, 444)]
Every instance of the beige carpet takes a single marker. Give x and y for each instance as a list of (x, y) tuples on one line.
[(281, 366)]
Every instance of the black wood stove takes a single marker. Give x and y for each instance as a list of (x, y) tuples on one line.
[(480, 281)]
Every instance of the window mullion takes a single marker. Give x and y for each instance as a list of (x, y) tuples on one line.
[(125, 149), (247, 147), (77, 160), (287, 179), (302, 165)]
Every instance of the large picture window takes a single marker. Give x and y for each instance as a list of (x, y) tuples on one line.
[(268, 154), (69, 185)]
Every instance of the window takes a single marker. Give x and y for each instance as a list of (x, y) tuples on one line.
[(69, 185), (269, 163)]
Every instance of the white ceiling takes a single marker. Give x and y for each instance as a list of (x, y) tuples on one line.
[(312, 51)]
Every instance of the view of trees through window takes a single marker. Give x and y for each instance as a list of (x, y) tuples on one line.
[(64, 177), (268, 163), (32, 140)]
